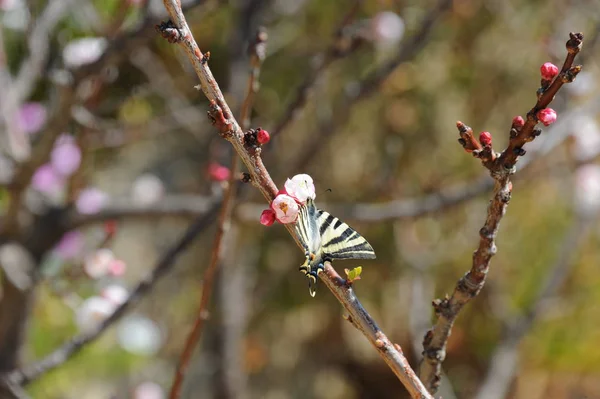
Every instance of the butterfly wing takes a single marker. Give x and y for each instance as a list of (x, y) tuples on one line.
[(340, 241), (307, 229)]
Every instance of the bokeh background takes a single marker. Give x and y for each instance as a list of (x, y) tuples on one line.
[(139, 161)]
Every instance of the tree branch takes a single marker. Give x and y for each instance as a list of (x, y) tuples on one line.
[(504, 361), (73, 346), (256, 58), (177, 31), (501, 166)]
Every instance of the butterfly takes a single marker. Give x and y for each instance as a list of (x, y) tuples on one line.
[(325, 238)]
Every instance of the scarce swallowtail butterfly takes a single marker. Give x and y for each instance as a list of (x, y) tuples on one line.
[(325, 238)]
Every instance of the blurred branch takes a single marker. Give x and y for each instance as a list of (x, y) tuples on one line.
[(257, 57), (501, 166), (60, 355), (505, 359), (38, 42), (343, 45), (364, 88), (161, 81), (177, 31)]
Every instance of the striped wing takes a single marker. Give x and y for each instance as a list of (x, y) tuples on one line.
[(340, 241), (307, 228)]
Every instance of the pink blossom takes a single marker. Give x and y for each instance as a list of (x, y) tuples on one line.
[(83, 51), (92, 312), (286, 208), (147, 189), (66, 156), (587, 189), (548, 71), (70, 245), (301, 187), (46, 180), (218, 172), (148, 390), (387, 28), (32, 117), (115, 294), (90, 201), (267, 217), (117, 267), (97, 264), (547, 116)]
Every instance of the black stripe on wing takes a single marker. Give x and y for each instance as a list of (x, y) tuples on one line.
[(340, 241)]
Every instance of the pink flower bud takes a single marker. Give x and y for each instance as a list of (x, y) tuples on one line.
[(549, 71), (518, 121), (218, 172), (262, 136), (286, 208), (267, 217), (485, 138), (547, 116)]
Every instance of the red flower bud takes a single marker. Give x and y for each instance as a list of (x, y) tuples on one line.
[(267, 217), (549, 71), (485, 138), (262, 136), (547, 116), (518, 121)]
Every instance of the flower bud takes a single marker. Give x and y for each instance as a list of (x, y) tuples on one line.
[(262, 136), (547, 116), (548, 71), (485, 138)]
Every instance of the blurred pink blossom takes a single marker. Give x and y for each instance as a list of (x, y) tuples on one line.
[(218, 172), (92, 312), (148, 390), (90, 201), (83, 51), (70, 245), (32, 117), (587, 189), (147, 189), (117, 268), (46, 180), (387, 28), (139, 335), (286, 208), (97, 264), (116, 294), (65, 156)]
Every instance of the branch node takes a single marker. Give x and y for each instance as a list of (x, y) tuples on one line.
[(219, 120), (169, 31), (575, 43), (246, 177)]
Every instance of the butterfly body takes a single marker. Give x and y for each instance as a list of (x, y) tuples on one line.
[(325, 238)]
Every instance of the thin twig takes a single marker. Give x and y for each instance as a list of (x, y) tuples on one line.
[(341, 47), (256, 59), (501, 166), (364, 88), (74, 345), (177, 31), (38, 42)]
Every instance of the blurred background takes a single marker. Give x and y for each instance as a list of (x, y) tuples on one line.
[(130, 159)]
